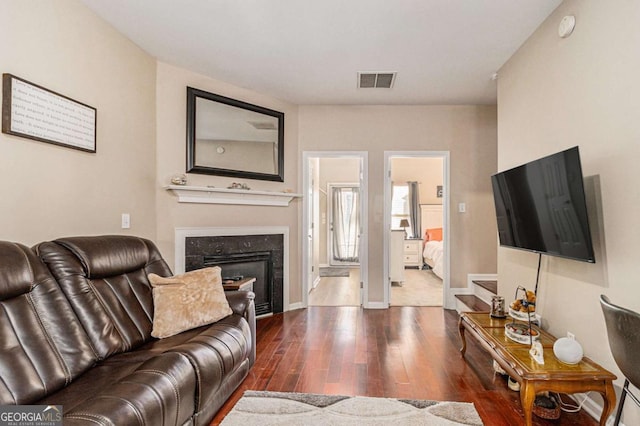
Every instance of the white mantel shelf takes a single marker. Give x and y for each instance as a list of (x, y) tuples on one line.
[(211, 195)]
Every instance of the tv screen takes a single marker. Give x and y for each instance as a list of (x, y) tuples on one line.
[(540, 206)]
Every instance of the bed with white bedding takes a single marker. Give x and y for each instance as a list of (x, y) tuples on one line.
[(433, 256), (431, 221)]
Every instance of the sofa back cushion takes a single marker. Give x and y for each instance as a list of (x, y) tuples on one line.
[(43, 346), (105, 280)]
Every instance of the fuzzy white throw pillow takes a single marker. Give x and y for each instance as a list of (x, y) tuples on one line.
[(187, 301)]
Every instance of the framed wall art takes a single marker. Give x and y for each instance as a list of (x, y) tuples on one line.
[(33, 112)]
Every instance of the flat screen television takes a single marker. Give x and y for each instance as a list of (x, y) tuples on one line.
[(541, 207)]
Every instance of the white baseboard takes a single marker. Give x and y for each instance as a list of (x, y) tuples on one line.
[(375, 305), (294, 306), (592, 407)]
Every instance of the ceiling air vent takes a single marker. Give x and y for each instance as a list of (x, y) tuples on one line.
[(263, 125), (379, 80)]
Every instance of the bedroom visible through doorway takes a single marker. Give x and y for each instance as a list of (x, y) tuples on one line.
[(415, 212)]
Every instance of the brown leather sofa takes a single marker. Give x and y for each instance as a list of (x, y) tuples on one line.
[(75, 322)]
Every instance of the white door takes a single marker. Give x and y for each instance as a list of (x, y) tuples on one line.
[(311, 223)]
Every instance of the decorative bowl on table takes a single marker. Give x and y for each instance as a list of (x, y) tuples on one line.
[(521, 316), (521, 333)]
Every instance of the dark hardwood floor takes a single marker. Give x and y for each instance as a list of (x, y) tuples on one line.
[(402, 352)]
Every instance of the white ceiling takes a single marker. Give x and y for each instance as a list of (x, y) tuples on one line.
[(309, 52)]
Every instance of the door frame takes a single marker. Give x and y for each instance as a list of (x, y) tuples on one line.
[(363, 156), (445, 155)]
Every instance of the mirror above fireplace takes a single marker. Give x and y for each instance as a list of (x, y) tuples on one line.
[(228, 137)]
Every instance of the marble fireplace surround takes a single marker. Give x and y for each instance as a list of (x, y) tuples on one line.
[(181, 234)]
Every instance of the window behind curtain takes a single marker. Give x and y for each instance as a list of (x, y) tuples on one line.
[(400, 206), (345, 223)]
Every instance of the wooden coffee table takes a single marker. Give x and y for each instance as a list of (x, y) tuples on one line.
[(534, 378)]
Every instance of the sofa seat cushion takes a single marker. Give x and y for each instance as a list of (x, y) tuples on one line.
[(121, 391), (216, 352), (217, 355)]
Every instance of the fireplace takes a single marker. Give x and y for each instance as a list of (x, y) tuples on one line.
[(259, 256), (255, 264)]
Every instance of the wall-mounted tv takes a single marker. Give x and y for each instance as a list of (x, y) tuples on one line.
[(541, 207)]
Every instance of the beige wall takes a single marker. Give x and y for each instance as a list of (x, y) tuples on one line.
[(427, 172), (468, 132), (51, 191), (171, 154), (583, 90)]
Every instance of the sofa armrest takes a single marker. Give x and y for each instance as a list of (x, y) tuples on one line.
[(242, 303)]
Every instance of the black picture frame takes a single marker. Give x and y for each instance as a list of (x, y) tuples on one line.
[(210, 111), (34, 112)]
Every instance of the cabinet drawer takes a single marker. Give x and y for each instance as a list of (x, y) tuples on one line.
[(411, 258), (411, 248)]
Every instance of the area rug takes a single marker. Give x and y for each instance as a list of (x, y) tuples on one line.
[(281, 408), (334, 272)]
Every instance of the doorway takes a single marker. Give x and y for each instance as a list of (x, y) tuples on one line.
[(416, 217), (334, 222)]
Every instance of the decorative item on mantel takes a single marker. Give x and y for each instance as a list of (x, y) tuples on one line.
[(236, 185), (180, 179)]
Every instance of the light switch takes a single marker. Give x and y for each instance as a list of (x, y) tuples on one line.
[(126, 221), (462, 207)]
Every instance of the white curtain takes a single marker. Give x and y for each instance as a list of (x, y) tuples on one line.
[(346, 224)]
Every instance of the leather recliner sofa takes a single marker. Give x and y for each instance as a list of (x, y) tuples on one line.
[(75, 330)]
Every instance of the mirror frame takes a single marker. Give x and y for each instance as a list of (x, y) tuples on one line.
[(192, 167)]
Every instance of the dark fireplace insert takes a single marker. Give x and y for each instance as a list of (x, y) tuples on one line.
[(242, 256), (242, 265)]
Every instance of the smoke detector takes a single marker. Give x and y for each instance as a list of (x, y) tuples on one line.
[(377, 80)]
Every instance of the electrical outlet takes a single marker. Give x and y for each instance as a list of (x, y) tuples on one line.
[(571, 336), (126, 221)]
